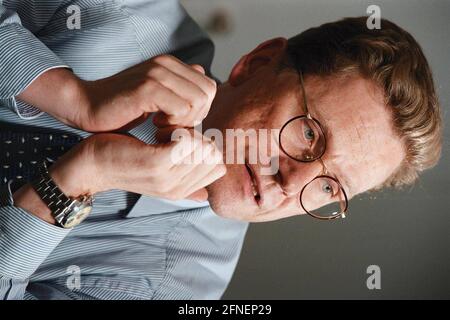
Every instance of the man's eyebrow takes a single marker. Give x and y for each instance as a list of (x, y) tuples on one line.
[(343, 179)]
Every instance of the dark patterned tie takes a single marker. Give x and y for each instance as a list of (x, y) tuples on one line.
[(22, 149)]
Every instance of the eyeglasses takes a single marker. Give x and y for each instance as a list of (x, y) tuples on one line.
[(302, 139)]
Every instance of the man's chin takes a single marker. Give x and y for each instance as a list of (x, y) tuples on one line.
[(225, 202)]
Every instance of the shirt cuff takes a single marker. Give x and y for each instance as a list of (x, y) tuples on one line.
[(25, 240), (23, 58)]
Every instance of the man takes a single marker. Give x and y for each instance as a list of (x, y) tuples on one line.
[(356, 111)]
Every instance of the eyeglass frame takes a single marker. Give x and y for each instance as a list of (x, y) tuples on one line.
[(325, 171)]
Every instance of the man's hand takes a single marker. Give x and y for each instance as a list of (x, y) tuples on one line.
[(181, 94), (113, 161)]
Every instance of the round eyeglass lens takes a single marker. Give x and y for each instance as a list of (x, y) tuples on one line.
[(324, 198), (302, 139)]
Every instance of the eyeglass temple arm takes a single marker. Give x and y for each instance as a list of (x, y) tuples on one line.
[(305, 103)]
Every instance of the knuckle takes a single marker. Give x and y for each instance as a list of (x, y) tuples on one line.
[(200, 67), (208, 153), (162, 59), (183, 109), (151, 84), (212, 85), (204, 111), (155, 72), (175, 120), (221, 169), (217, 156), (218, 159), (208, 144), (200, 100)]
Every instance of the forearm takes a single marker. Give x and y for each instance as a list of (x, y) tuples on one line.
[(58, 93)]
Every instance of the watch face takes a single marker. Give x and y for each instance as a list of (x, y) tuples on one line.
[(77, 215)]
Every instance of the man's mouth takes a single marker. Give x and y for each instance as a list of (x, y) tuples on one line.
[(254, 184)]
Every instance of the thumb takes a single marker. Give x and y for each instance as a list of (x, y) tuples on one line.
[(199, 195)]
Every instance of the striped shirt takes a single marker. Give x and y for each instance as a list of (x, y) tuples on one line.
[(131, 246)]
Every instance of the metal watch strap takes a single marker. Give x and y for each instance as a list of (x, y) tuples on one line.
[(54, 198)]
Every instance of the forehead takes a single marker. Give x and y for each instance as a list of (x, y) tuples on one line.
[(363, 147)]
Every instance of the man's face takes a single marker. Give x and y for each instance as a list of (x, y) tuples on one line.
[(362, 148)]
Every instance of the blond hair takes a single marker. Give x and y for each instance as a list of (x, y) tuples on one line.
[(394, 60)]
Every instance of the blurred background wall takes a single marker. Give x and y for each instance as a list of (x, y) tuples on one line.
[(407, 234)]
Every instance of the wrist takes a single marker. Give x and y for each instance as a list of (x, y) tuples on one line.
[(75, 173), (76, 95), (67, 183), (59, 93)]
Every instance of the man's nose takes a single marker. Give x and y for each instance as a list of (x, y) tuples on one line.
[(294, 175)]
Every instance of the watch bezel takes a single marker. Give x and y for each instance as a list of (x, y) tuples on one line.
[(80, 204)]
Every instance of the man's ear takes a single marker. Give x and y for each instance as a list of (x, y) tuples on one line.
[(266, 53)]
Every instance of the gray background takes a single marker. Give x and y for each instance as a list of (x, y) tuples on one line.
[(406, 233)]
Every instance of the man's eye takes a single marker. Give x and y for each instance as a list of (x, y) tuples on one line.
[(327, 188), (308, 133)]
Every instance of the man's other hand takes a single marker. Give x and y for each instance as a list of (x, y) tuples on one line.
[(181, 94), (113, 161)]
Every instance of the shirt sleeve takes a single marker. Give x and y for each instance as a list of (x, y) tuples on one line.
[(25, 242), (23, 58)]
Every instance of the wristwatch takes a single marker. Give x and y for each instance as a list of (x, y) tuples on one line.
[(68, 212)]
